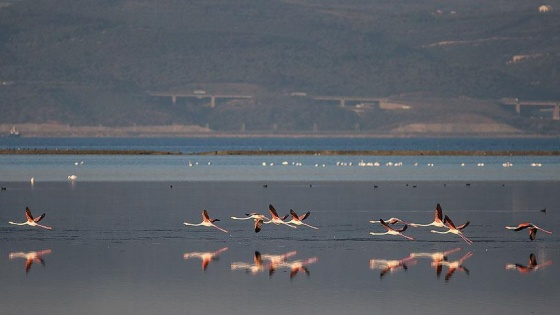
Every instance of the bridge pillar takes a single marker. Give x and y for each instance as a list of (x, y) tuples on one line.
[(212, 101), (556, 112), (342, 102), (174, 99)]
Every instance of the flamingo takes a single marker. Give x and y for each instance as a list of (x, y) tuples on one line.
[(206, 257), (206, 221), (533, 265), (276, 219), (532, 229), (31, 257), (394, 221), (438, 219), (454, 230), (32, 221), (257, 217), (390, 265), (252, 215), (453, 266), (297, 220), (392, 231)]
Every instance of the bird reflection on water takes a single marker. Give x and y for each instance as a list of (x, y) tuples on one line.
[(389, 266), (439, 260), (274, 262), (31, 257), (532, 266), (206, 257)]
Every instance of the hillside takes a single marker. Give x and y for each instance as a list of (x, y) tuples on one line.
[(90, 63)]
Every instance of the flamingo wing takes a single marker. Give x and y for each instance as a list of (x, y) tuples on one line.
[(272, 211), (532, 233), (402, 229), (258, 225), (532, 260), (449, 223), (205, 216), (39, 218), (28, 214), (304, 216), (460, 227), (439, 213)]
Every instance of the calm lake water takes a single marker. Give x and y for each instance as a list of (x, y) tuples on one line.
[(118, 244)]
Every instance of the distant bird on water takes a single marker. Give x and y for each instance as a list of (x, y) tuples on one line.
[(31, 221), (206, 221), (532, 229)]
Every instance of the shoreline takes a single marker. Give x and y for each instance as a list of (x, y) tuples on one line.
[(282, 152)]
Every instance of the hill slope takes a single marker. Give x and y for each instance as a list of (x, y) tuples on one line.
[(80, 62)]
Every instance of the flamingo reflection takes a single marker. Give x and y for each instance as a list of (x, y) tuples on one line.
[(532, 266), (206, 257), (299, 265), (452, 265), (31, 257), (436, 257), (389, 266), (256, 267)]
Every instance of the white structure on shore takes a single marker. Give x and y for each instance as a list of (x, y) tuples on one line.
[(545, 8)]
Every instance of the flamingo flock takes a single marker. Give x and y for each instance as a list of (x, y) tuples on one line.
[(440, 221)]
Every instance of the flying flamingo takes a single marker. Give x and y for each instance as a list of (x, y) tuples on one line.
[(297, 220), (438, 219), (454, 230), (206, 257), (32, 221), (257, 217), (453, 266), (532, 229), (206, 221), (395, 221), (276, 219), (392, 231), (533, 265), (31, 257)]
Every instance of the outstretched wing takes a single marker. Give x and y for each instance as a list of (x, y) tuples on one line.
[(304, 216), (39, 218), (439, 213), (28, 214)]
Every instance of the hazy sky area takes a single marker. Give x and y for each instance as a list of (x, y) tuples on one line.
[(368, 67)]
